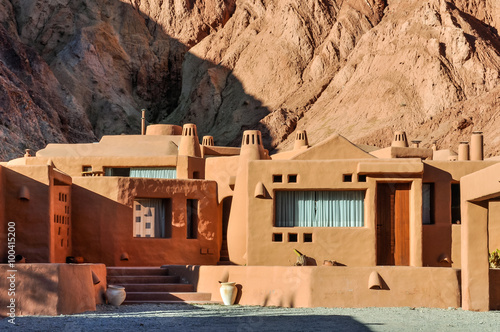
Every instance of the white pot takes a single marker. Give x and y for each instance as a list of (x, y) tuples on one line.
[(115, 294), (228, 292)]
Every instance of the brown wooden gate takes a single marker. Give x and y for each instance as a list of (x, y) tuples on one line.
[(393, 224)]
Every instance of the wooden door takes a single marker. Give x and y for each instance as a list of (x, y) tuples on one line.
[(393, 224)]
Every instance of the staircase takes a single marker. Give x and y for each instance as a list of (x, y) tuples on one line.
[(154, 285)]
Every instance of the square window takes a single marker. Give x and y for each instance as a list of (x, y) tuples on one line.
[(138, 207), (278, 178), (292, 237), (347, 178), (277, 237), (148, 225), (361, 178), (147, 235), (137, 235), (292, 178), (308, 237), (137, 219)]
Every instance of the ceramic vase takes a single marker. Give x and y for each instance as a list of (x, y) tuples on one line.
[(228, 292), (115, 294)]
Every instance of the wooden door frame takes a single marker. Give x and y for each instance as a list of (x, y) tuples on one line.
[(392, 240)]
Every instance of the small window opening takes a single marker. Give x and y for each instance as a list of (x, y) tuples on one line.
[(277, 237), (292, 237), (308, 237), (278, 178), (347, 178)]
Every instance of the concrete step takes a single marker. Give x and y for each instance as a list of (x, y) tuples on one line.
[(136, 271), (168, 296), (118, 280), (158, 287)]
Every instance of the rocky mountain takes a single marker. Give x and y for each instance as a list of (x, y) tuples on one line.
[(72, 71)]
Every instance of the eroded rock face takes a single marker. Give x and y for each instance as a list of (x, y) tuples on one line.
[(111, 58), (361, 68)]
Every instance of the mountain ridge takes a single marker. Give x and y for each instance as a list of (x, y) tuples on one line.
[(360, 68)]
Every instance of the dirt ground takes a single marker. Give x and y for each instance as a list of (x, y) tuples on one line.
[(184, 317)]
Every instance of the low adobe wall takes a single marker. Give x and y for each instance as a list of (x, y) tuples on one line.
[(51, 289), (325, 286)]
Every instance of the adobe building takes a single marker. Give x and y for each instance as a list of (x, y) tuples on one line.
[(403, 225)]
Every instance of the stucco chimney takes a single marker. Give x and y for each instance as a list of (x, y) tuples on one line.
[(434, 145), (251, 145), (208, 141), (143, 122), (463, 151), (399, 140), (189, 145), (300, 140), (476, 146)]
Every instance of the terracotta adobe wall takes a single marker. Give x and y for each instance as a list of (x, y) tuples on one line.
[(190, 167), (60, 220), (326, 286), (31, 217), (352, 246), (103, 221), (442, 239), (223, 170), (53, 289), (478, 201)]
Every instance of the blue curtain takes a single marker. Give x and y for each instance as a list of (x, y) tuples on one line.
[(320, 208), (153, 172)]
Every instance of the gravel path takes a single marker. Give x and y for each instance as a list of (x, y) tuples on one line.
[(184, 317)]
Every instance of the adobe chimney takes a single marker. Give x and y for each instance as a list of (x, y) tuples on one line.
[(300, 140), (189, 144), (463, 151), (476, 148)]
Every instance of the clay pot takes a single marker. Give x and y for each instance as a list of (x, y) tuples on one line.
[(228, 292), (115, 294), (327, 263)]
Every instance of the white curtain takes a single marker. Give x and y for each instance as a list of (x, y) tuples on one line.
[(320, 208), (153, 208), (153, 172)]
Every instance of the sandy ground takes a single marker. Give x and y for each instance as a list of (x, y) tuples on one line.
[(183, 317)]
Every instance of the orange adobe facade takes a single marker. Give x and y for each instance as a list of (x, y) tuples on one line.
[(162, 198)]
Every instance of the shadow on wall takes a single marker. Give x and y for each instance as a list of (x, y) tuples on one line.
[(35, 290)]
